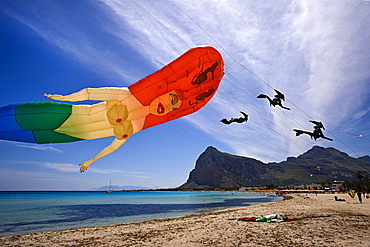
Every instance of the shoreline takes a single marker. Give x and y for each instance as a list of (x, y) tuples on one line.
[(67, 211), (322, 221)]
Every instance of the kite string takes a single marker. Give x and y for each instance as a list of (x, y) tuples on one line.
[(201, 28), (255, 75), (353, 151), (251, 72), (232, 57)]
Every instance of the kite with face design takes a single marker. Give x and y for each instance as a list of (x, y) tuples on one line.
[(178, 89)]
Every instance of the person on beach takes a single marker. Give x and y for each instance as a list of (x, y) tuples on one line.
[(359, 196)]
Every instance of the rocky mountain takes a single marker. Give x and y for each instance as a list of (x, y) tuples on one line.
[(365, 158), (214, 169)]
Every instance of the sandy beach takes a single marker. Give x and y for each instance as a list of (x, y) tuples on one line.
[(322, 221)]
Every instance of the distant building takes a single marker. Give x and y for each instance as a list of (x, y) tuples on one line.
[(299, 187), (315, 186), (337, 185), (242, 188)]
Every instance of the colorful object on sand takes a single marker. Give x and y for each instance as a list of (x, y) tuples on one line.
[(178, 89), (268, 218), (352, 193)]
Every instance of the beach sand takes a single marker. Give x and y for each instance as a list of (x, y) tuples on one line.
[(322, 222)]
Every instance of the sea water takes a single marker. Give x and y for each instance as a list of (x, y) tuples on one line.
[(28, 212)]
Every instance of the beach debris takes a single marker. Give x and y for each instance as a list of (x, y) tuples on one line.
[(242, 119), (278, 97)]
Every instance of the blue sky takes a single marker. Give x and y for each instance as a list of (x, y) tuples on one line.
[(316, 52)]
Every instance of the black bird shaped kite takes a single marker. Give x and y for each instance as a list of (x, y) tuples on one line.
[(276, 100), (316, 133), (236, 120)]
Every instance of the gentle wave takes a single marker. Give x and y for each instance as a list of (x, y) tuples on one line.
[(28, 212)]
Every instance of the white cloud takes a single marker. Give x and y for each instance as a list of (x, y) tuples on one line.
[(133, 174), (61, 167), (38, 147), (57, 27), (25, 175), (34, 146), (334, 41), (316, 52), (64, 167), (157, 36), (300, 48)]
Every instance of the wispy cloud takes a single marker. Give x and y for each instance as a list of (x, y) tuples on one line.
[(61, 167), (23, 175), (38, 147), (70, 168), (334, 42), (312, 54), (60, 29), (34, 146), (317, 55), (133, 174)]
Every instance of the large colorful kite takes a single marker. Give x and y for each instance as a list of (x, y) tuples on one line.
[(178, 89)]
